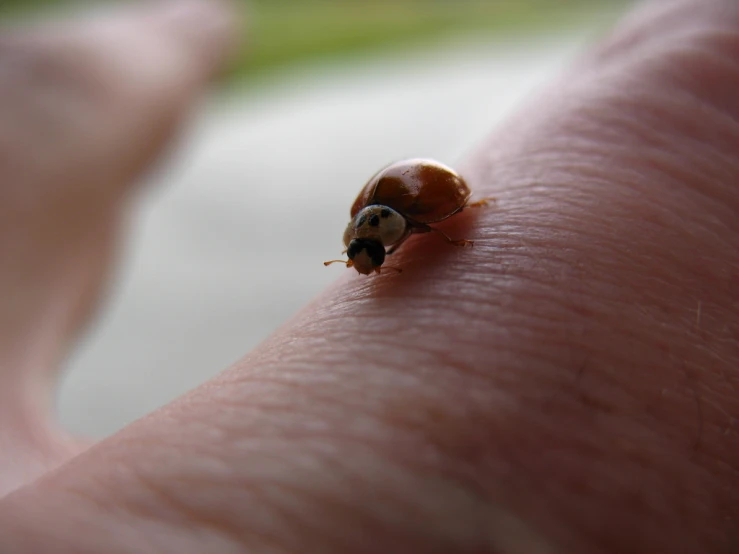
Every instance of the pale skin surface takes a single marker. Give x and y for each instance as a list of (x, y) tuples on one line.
[(570, 384)]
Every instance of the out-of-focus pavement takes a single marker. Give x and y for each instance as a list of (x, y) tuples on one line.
[(229, 242)]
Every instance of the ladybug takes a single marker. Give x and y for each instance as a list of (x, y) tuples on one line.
[(400, 200)]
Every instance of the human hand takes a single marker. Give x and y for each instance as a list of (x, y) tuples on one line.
[(568, 385), (85, 107)]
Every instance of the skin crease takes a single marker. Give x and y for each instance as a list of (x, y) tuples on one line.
[(568, 385)]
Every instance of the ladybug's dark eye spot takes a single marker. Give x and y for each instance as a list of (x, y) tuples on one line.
[(374, 220), (361, 221), (376, 253), (384, 212)]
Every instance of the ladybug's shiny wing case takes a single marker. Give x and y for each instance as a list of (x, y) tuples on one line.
[(364, 196), (440, 192), (422, 190)]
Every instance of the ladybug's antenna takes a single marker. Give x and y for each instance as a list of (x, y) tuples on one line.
[(347, 263)]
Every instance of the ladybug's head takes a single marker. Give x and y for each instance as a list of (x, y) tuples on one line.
[(365, 255)]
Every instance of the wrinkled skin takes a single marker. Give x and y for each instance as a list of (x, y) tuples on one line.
[(569, 385)]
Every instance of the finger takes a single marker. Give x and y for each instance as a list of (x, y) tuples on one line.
[(84, 107), (568, 385)]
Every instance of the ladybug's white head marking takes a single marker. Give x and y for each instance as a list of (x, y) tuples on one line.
[(378, 223)]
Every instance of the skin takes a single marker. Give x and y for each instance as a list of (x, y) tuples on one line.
[(568, 385)]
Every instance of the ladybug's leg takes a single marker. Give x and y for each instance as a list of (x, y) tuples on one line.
[(482, 203), (384, 269), (423, 228)]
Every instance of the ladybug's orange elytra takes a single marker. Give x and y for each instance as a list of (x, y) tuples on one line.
[(400, 200)]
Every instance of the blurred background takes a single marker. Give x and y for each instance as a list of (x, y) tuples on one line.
[(228, 242)]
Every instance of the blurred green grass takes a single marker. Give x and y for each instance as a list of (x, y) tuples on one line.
[(283, 32)]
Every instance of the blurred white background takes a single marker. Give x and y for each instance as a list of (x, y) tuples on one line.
[(230, 239)]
